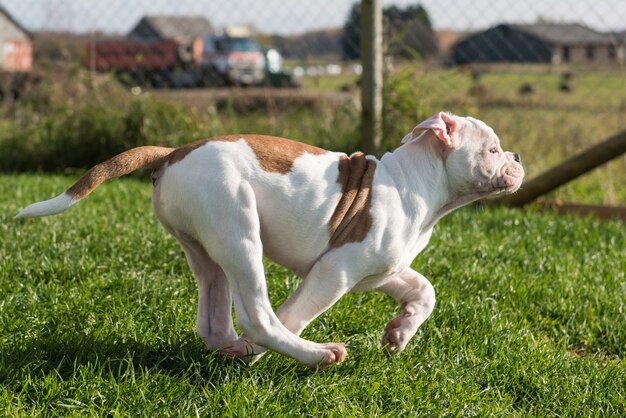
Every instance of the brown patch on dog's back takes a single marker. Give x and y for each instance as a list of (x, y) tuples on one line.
[(275, 154), (352, 219)]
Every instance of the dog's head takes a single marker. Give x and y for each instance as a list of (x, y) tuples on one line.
[(473, 158)]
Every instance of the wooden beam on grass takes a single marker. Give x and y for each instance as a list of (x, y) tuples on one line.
[(568, 170)]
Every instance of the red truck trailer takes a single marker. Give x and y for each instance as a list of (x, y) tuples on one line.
[(156, 64), (207, 60)]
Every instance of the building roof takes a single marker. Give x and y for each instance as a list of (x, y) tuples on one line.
[(15, 22), (171, 27), (564, 33)]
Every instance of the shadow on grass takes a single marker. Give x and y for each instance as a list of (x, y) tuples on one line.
[(74, 356)]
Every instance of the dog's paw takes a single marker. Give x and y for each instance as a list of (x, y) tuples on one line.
[(242, 349), (332, 353), (398, 333)]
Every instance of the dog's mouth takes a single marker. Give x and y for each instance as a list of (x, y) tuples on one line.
[(508, 179)]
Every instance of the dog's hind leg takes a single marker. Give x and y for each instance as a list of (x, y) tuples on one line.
[(231, 234), (214, 322)]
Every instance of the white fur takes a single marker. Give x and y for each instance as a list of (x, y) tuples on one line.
[(52, 206)]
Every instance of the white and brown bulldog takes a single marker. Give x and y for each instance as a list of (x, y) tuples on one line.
[(341, 223)]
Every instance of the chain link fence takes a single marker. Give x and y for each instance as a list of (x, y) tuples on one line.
[(548, 76)]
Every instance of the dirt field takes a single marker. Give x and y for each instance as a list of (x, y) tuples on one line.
[(244, 99)]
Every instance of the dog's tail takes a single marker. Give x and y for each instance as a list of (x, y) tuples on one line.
[(121, 164)]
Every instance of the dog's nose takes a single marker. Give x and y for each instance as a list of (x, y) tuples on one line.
[(517, 158)]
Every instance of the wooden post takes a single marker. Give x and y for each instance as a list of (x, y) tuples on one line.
[(372, 77), (568, 170)]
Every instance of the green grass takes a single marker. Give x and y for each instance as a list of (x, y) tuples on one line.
[(98, 309)]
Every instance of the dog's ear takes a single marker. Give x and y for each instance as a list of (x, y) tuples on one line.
[(441, 125)]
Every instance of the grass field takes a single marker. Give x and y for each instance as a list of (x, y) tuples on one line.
[(98, 308)]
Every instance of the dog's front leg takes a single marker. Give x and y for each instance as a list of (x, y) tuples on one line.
[(321, 288), (416, 296)]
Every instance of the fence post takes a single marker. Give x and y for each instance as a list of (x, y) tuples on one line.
[(372, 77)]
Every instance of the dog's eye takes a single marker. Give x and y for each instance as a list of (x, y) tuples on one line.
[(493, 150)]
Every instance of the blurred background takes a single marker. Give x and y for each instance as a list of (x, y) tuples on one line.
[(81, 81)]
